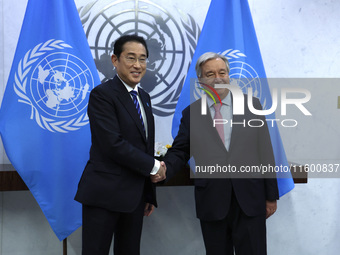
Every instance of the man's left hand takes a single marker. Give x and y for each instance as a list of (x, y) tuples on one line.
[(148, 209), (271, 207)]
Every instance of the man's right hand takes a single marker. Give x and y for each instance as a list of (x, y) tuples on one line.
[(160, 175)]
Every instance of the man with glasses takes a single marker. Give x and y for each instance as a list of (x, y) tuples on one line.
[(232, 207), (116, 189)]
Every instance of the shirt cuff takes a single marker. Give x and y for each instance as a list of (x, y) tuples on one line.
[(156, 167)]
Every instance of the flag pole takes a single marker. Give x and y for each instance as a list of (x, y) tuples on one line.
[(65, 246)]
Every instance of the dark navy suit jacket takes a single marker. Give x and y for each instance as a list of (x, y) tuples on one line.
[(117, 174)]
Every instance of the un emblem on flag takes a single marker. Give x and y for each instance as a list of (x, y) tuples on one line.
[(241, 75), (56, 85)]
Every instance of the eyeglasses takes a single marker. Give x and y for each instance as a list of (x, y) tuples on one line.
[(133, 60)]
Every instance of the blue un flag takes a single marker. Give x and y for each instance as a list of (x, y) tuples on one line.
[(228, 29), (43, 120)]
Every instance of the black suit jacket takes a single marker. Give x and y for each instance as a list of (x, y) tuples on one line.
[(117, 174), (249, 146)]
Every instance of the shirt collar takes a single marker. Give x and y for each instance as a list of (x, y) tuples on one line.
[(129, 89), (225, 101)]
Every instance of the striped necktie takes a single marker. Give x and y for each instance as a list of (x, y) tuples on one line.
[(135, 101)]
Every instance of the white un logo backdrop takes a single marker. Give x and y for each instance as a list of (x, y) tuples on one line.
[(56, 85)]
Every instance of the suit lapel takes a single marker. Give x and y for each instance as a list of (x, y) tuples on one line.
[(237, 128), (125, 98), (147, 109), (205, 122)]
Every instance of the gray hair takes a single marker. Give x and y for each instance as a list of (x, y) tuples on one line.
[(208, 56)]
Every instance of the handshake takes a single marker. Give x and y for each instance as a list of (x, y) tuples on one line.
[(160, 175)]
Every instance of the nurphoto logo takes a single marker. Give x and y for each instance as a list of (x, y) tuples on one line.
[(238, 104)]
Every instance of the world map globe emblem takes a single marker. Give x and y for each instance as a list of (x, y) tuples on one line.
[(60, 84), (245, 76)]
